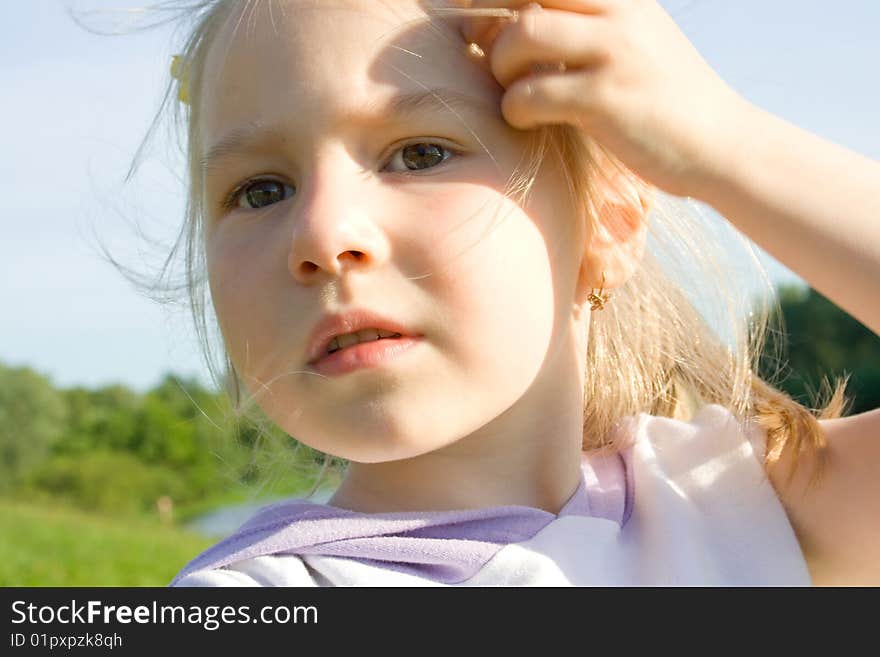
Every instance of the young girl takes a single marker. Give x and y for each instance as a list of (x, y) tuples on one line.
[(413, 213)]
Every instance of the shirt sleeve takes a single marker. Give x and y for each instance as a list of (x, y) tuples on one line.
[(704, 509)]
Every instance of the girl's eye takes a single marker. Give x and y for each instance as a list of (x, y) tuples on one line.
[(258, 194), (420, 155)]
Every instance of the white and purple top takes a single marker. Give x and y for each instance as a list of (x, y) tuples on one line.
[(686, 504)]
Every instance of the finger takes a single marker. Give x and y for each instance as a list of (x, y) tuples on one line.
[(494, 14), (549, 99), (546, 37), (483, 28), (583, 6), (487, 35)]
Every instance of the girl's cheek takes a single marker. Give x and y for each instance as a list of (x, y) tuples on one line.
[(226, 275), (231, 244), (452, 206)]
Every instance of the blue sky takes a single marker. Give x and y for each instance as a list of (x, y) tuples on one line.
[(76, 105)]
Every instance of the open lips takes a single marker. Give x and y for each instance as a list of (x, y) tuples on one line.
[(364, 335), (338, 331)]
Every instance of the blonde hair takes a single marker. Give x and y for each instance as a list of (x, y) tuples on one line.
[(650, 350)]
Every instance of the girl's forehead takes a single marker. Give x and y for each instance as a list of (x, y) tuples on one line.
[(306, 38), (283, 53)]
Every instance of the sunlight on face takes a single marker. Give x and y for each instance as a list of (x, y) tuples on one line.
[(331, 185)]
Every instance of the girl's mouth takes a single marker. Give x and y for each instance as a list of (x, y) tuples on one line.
[(374, 353)]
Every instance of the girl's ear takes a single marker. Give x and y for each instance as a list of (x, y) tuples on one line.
[(616, 236)]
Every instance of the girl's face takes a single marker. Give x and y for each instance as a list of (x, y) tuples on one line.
[(319, 200)]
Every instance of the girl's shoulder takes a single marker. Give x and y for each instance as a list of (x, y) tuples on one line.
[(717, 458), (704, 509), (694, 453), (712, 462)]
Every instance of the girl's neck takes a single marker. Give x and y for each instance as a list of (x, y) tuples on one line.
[(520, 458), (461, 488)]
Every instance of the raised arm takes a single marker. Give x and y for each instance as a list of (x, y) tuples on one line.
[(811, 204)]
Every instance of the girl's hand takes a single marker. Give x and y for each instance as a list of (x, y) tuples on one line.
[(632, 81)]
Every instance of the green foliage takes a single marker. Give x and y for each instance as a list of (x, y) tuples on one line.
[(32, 418), (114, 450), (108, 482), (820, 342), (100, 419)]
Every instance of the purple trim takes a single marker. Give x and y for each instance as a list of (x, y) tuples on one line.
[(444, 546)]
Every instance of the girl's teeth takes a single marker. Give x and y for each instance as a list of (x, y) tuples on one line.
[(365, 335), (348, 340)]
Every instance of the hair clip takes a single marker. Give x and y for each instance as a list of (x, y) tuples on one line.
[(178, 72)]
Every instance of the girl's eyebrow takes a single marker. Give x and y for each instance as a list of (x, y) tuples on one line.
[(249, 137)]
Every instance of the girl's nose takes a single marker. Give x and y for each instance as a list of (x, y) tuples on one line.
[(335, 230)]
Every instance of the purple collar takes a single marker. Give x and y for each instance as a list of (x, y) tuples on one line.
[(443, 546)]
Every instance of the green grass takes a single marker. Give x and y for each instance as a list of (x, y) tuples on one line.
[(57, 546)]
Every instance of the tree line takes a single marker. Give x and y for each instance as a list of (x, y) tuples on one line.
[(117, 451)]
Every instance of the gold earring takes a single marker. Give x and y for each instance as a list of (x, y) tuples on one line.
[(597, 301)]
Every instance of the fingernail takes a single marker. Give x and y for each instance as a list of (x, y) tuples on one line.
[(534, 6), (474, 50)]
